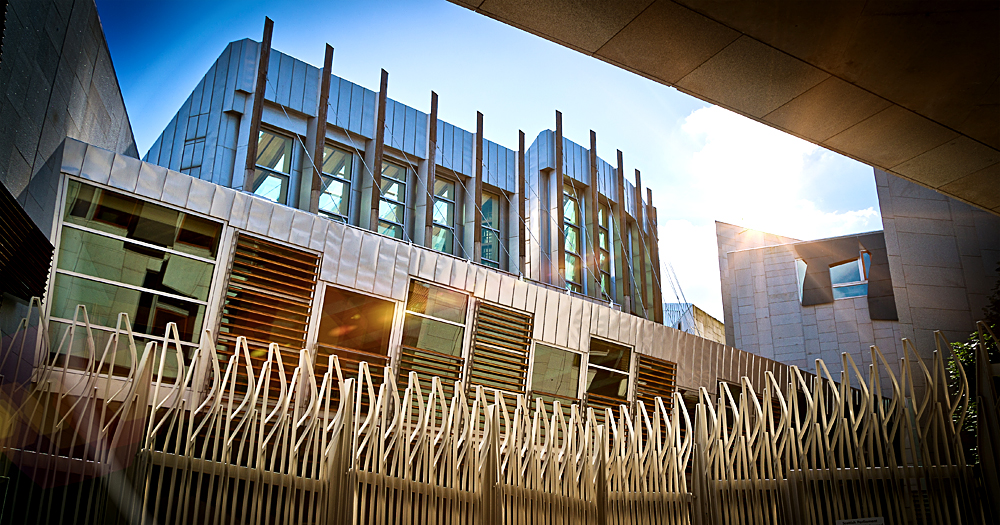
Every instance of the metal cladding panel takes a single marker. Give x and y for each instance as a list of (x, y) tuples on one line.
[(607, 180), (124, 172), (367, 260), (481, 274), (200, 196), (302, 225), (339, 112), (575, 161), (259, 220), (519, 295), (240, 215), (471, 278), (369, 100), (575, 328), (97, 164), (442, 270), (248, 65), (492, 287), (544, 146), (539, 311), (459, 274), (280, 225), (468, 153), (317, 233), (428, 262), (233, 54), (456, 149), (176, 188), (334, 243), (297, 97), (501, 167), (222, 204), (385, 268), (507, 290), (401, 273), (410, 138), (563, 319), (347, 274)]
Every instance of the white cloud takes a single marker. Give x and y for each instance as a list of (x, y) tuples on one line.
[(744, 173)]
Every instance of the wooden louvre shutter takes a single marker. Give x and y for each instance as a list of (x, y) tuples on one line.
[(655, 378), (269, 299), (500, 348)]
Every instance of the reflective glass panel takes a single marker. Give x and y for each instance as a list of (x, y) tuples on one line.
[(274, 152), (610, 355), (271, 186), (607, 383), (388, 211), (491, 245), (431, 334), (444, 212), (335, 198), (605, 262), (129, 263), (394, 171), (555, 371), (444, 189), (800, 274), (436, 302), (393, 190), (866, 258), (570, 209), (356, 322), (573, 268), (572, 239), (140, 220), (602, 239), (148, 312), (848, 272), (443, 239), (392, 230), (490, 208), (854, 290), (337, 162)]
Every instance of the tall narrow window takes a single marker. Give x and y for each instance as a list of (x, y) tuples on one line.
[(850, 278), (604, 249), (274, 167), (443, 234), (572, 240), (335, 200), (392, 206), (490, 255)]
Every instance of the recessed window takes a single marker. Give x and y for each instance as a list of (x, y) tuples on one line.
[(443, 231), (850, 278), (490, 255), (392, 204), (572, 239), (555, 373), (800, 274), (604, 249), (335, 199), (274, 166), (608, 371), (435, 319), (354, 322)]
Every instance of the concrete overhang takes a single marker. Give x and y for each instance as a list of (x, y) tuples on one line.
[(910, 87)]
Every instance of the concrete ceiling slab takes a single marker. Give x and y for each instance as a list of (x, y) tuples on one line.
[(911, 87)]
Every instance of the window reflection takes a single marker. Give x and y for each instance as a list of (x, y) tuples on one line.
[(355, 322), (435, 319), (555, 371)]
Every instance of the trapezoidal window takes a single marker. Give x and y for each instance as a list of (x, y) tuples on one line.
[(850, 278), (608, 370)]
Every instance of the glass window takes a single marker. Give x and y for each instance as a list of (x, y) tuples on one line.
[(608, 369), (356, 322), (443, 231), (435, 319), (335, 199), (555, 371), (392, 207), (800, 274), (491, 240), (850, 279), (572, 227), (274, 165), (604, 248), (120, 254)]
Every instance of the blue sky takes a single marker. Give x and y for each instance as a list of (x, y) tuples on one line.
[(703, 163)]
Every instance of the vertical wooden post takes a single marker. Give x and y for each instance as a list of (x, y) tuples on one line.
[(654, 257), (477, 213), (640, 232), (626, 257), (593, 199), (432, 126), (379, 139), (521, 198), (258, 104), (321, 115), (557, 199)]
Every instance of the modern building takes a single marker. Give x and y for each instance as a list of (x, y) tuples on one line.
[(286, 205), (931, 268), (687, 317)]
